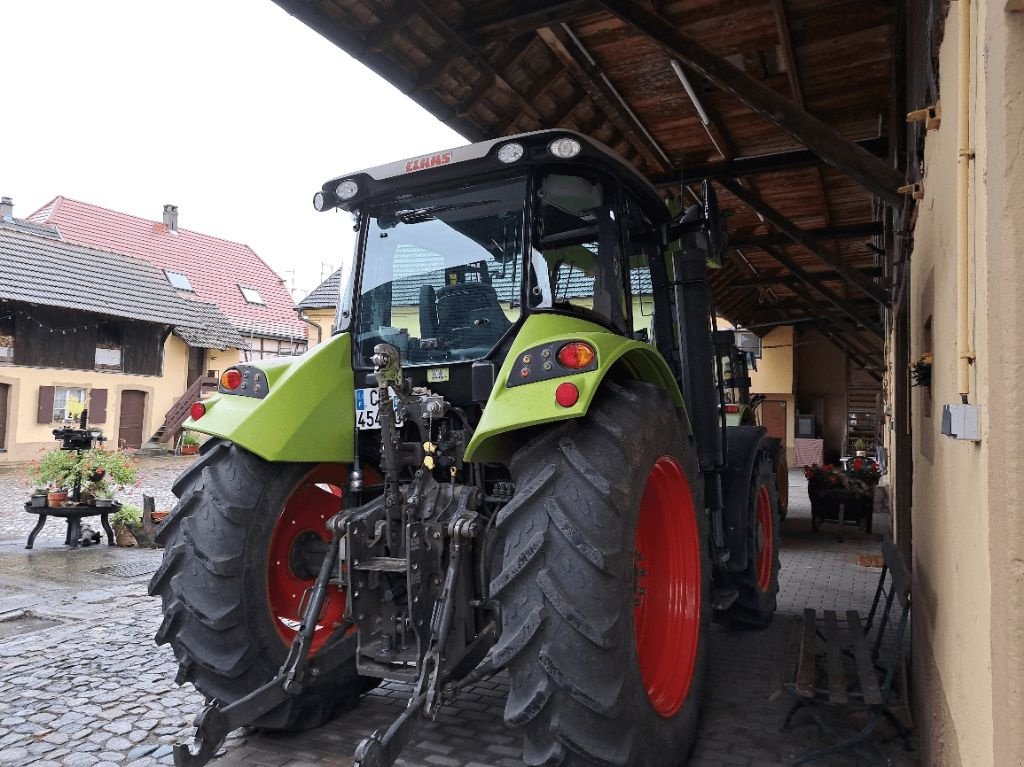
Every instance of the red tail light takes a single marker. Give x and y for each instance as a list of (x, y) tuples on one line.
[(567, 394), (198, 410), (576, 355), (230, 379)]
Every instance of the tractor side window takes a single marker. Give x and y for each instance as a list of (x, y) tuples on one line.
[(640, 246), (441, 273), (577, 264)]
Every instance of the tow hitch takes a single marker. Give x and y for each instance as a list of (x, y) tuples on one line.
[(215, 721)]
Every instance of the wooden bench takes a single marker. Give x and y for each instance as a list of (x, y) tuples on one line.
[(844, 661)]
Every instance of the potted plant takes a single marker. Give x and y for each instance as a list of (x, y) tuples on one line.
[(860, 449), (39, 497), (921, 370), (101, 470), (103, 497), (123, 520), (57, 470), (189, 443)]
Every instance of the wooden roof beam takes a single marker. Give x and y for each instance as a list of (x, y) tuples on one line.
[(874, 174), (801, 237), (589, 75), (789, 280), (475, 58), (807, 278), (767, 163), (792, 71), (526, 17), (845, 232)]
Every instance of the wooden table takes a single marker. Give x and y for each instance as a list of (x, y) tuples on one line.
[(74, 516)]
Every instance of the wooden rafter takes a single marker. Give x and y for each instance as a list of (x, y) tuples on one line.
[(522, 18), (788, 279), (801, 237), (872, 173), (749, 166), (587, 73), (474, 57), (846, 232), (792, 71), (807, 278)]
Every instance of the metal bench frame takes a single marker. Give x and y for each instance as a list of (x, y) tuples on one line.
[(818, 674)]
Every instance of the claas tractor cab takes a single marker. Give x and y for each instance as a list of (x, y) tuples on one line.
[(487, 467), (736, 365)]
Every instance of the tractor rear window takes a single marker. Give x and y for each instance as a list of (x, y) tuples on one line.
[(441, 273)]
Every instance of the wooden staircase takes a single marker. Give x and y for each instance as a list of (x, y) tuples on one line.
[(175, 417), (863, 409)]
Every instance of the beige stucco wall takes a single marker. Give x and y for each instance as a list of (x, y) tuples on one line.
[(322, 318), (25, 437), (775, 377), (968, 561)]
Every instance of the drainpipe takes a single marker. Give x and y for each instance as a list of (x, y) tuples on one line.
[(964, 157), (319, 330)]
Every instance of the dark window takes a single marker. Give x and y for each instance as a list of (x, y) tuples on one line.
[(252, 296), (108, 348), (748, 342), (578, 267), (7, 340), (178, 280)]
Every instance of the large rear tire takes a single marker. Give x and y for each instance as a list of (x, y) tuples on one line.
[(604, 587), (240, 548), (758, 584)]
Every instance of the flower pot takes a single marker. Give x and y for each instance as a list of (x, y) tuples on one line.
[(158, 516), (56, 497), (104, 503), (123, 536), (189, 449), (38, 501), (861, 453)]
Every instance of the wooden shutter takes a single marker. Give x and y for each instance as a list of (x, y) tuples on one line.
[(45, 412), (97, 406)]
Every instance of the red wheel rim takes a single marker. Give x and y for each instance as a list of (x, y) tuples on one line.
[(765, 539), (667, 612), (315, 500)]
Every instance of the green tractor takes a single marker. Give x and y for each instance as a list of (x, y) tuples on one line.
[(485, 469), (742, 408)]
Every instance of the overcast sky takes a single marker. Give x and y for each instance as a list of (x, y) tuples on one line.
[(230, 109)]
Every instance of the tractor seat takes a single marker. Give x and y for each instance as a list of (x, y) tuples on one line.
[(469, 315)]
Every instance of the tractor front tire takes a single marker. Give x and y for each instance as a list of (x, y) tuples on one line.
[(233, 576), (604, 586), (758, 583)]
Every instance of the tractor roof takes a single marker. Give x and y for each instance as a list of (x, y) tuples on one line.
[(481, 160)]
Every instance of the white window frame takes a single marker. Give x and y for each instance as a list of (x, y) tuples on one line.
[(256, 298), (188, 282), (60, 400)]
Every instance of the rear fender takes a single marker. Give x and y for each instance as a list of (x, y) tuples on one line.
[(745, 445), (514, 405), (308, 414)]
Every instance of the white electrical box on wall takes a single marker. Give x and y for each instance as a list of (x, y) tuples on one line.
[(961, 422)]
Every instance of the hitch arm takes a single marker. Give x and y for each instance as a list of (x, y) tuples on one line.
[(214, 722)]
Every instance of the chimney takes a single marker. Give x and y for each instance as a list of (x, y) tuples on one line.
[(6, 209), (171, 217)]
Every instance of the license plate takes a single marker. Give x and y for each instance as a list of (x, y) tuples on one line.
[(368, 408)]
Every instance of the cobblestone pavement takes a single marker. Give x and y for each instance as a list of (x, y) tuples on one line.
[(82, 684)]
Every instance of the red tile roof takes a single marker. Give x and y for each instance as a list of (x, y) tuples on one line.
[(214, 267)]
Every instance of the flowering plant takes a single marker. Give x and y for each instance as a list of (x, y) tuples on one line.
[(56, 469), (866, 470), (921, 370), (93, 470), (860, 476)]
